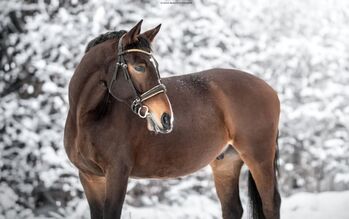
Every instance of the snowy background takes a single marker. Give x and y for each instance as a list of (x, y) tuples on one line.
[(299, 47)]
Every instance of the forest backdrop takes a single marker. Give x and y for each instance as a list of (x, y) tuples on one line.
[(298, 47)]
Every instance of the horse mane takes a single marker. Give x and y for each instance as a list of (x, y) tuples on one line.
[(104, 37), (142, 43)]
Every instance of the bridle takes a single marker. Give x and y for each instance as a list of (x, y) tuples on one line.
[(137, 105)]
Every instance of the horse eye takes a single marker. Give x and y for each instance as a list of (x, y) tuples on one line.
[(140, 68)]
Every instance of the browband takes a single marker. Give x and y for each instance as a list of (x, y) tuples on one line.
[(135, 50)]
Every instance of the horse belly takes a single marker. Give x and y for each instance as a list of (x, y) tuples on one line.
[(169, 160)]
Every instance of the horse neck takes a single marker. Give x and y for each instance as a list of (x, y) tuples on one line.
[(86, 90)]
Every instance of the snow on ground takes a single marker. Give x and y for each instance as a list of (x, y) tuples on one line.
[(299, 206), (194, 207), (320, 206)]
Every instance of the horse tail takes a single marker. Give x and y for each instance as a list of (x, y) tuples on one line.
[(276, 158), (255, 199)]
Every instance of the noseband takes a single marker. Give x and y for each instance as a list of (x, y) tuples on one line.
[(137, 105)]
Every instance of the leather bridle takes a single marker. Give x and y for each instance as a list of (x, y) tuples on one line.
[(137, 105)]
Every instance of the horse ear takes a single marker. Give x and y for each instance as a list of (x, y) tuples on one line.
[(150, 34), (131, 36)]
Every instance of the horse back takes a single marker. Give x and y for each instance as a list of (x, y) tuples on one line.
[(243, 99)]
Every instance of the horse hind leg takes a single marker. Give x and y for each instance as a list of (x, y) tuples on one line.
[(263, 191), (226, 172)]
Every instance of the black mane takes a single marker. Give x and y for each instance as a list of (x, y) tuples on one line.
[(141, 44)]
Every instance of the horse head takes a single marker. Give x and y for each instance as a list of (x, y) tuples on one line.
[(138, 79)]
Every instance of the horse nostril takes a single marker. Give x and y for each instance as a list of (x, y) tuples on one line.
[(166, 120)]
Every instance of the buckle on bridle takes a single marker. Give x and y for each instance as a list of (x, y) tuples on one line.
[(146, 109), (122, 64), (137, 107)]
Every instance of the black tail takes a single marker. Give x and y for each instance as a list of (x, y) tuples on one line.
[(255, 200), (276, 158)]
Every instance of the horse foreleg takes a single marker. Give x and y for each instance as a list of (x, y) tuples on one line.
[(116, 185), (94, 188), (226, 174)]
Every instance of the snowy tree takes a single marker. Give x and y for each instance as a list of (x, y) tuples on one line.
[(298, 47)]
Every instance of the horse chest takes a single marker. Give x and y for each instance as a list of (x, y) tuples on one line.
[(83, 162)]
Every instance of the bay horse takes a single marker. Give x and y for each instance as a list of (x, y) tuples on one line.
[(118, 103)]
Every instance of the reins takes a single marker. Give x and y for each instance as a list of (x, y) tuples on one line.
[(137, 105)]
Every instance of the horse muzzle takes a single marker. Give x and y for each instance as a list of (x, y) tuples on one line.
[(166, 123)]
